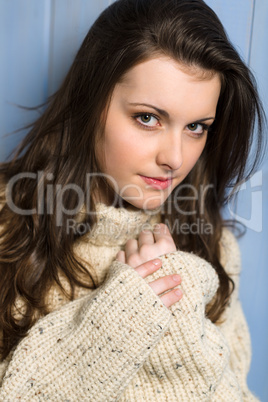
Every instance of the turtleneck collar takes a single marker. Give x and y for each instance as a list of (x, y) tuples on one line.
[(116, 225)]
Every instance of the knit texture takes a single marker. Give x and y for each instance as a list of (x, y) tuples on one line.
[(119, 342)]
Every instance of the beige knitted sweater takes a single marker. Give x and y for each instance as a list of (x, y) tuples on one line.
[(119, 342)]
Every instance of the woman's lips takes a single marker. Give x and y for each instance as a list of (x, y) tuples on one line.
[(157, 182)]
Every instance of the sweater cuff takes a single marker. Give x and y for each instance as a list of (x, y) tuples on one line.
[(92, 346), (199, 279)]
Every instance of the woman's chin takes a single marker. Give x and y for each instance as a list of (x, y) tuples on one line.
[(146, 204)]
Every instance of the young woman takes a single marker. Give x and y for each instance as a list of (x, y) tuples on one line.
[(118, 278)]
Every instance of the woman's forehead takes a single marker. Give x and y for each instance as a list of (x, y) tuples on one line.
[(162, 64), (163, 83)]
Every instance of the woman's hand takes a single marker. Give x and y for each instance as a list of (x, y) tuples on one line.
[(142, 255), (149, 245)]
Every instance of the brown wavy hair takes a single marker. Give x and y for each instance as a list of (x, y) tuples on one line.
[(35, 248)]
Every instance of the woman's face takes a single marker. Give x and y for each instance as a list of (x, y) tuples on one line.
[(156, 129)]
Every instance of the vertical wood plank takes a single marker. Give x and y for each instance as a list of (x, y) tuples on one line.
[(71, 21), (255, 277), (38, 41), (236, 17), (24, 29)]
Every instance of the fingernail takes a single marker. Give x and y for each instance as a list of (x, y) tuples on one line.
[(176, 278), (178, 292), (157, 262)]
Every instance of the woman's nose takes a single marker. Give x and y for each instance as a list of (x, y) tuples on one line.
[(170, 151)]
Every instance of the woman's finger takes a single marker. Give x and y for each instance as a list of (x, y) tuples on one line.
[(131, 247), (145, 237), (163, 237), (148, 267), (168, 282), (161, 230), (121, 256), (170, 298), (165, 283)]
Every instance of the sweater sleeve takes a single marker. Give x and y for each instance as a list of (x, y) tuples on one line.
[(90, 348), (195, 359)]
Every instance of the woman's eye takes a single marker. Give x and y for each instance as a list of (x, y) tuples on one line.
[(147, 120), (197, 128)]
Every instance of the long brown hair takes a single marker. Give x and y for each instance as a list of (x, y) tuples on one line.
[(35, 247)]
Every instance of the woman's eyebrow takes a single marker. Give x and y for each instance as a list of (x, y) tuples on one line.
[(165, 113), (160, 111), (205, 119)]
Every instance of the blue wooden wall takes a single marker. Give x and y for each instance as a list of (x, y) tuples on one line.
[(38, 40)]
